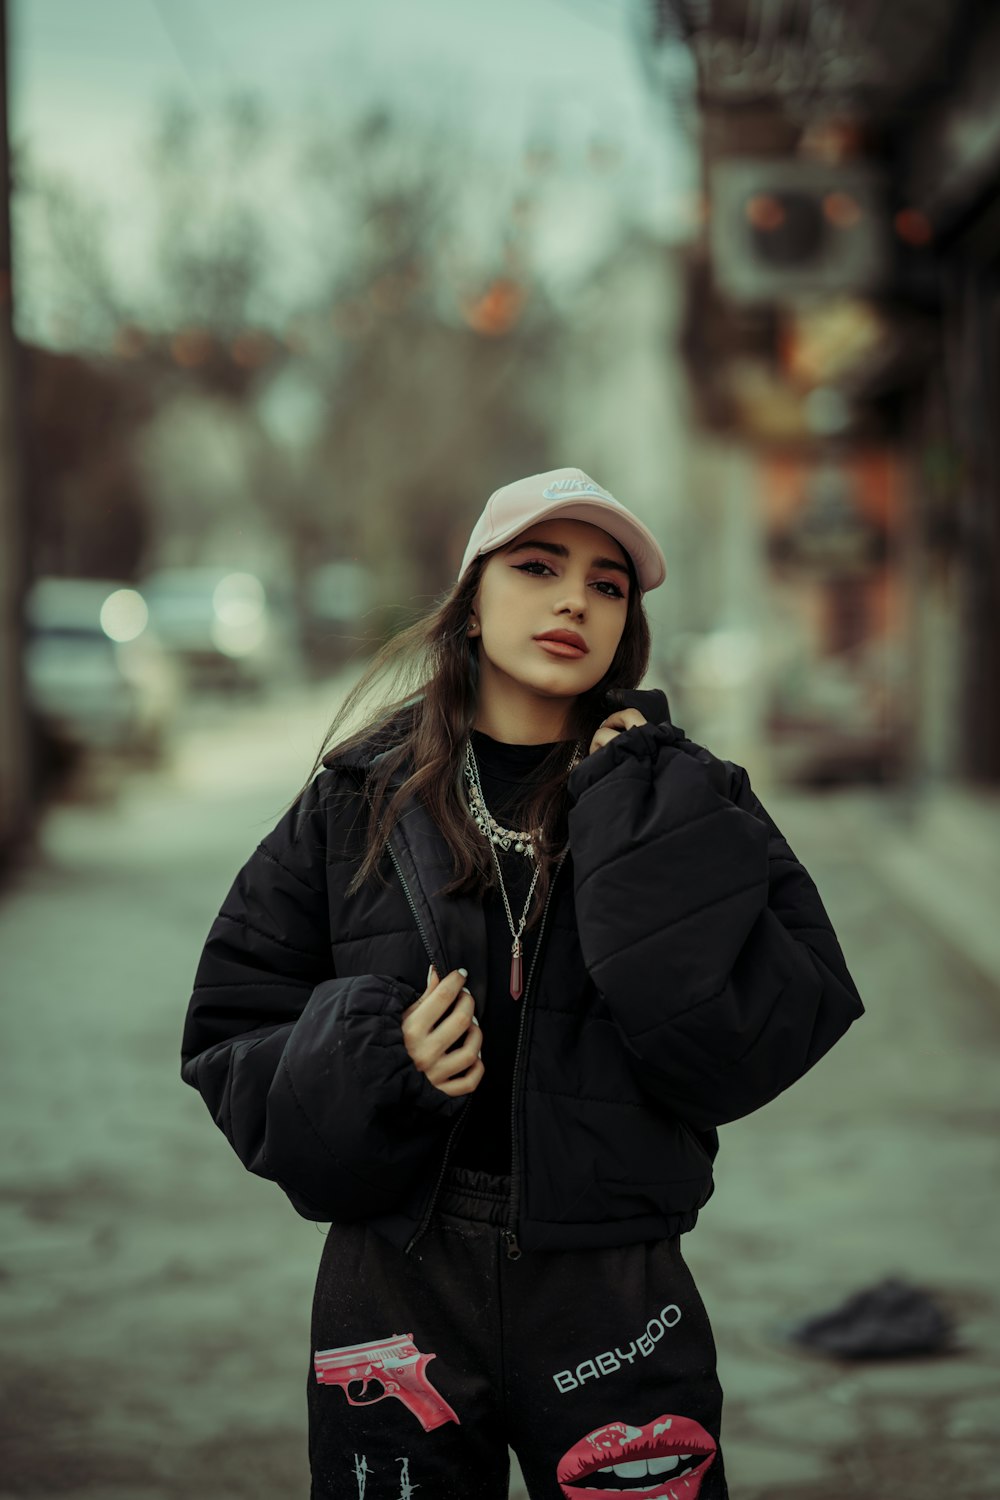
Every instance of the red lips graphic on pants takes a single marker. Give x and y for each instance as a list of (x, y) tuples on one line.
[(667, 1458)]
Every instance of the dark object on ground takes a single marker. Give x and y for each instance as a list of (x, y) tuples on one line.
[(890, 1319)]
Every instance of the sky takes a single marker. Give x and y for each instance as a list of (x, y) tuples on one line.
[(86, 79)]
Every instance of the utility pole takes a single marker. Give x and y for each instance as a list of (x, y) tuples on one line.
[(16, 799)]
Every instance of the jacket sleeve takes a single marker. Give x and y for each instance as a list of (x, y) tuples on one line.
[(701, 929), (305, 1073)]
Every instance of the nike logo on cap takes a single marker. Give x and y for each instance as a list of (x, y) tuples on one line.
[(563, 487)]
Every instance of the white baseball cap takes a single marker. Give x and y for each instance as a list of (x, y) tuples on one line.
[(573, 494)]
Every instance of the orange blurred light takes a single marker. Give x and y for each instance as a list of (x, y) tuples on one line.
[(765, 212), (841, 210), (832, 140), (190, 347), (497, 310), (913, 226)]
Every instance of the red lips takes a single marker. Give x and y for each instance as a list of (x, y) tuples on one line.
[(569, 637), (620, 1443)]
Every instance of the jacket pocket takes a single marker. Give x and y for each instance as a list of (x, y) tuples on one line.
[(600, 1158)]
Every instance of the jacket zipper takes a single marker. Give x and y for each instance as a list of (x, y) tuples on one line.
[(514, 1251), (437, 1186), (416, 915), (439, 966)]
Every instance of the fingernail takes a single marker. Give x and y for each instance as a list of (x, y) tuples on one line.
[(464, 973), (430, 973)]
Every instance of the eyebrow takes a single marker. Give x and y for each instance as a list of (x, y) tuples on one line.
[(558, 550)]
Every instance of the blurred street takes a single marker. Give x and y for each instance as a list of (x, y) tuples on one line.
[(155, 1299)]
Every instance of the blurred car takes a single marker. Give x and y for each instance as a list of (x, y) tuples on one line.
[(224, 627), (97, 677)]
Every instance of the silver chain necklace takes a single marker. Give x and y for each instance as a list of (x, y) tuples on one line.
[(523, 842), (492, 830)]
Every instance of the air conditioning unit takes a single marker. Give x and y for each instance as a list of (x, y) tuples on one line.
[(786, 230)]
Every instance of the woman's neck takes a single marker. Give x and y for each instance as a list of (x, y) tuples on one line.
[(518, 731)]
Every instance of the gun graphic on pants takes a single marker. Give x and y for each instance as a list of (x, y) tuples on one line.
[(397, 1364)]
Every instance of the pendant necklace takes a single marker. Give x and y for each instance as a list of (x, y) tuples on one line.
[(523, 843)]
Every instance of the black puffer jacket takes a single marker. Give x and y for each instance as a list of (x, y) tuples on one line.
[(686, 974)]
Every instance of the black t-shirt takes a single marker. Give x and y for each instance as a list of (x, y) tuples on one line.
[(485, 1138)]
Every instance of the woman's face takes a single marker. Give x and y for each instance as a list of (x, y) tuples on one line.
[(555, 575)]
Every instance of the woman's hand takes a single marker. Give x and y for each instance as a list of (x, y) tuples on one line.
[(427, 1037), (622, 718)]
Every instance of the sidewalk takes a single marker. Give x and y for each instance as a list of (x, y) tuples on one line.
[(940, 852)]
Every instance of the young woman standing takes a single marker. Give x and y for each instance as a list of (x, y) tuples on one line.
[(480, 1001)]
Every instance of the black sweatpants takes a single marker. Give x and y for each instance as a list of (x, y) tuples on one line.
[(596, 1366)]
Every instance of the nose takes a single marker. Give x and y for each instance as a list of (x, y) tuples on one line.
[(576, 610), (574, 599)]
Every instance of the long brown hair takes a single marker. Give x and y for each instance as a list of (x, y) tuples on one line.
[(437, 663)]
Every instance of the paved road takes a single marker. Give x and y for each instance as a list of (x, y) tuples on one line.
[(154, 1299)]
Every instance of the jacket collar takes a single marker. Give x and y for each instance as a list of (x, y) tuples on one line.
[(454, 925)]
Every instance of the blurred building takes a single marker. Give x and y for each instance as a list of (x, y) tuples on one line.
[(841, 334)]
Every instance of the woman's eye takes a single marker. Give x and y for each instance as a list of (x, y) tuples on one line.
[(602, 583)]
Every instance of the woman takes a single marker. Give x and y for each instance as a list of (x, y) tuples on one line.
[(624, 954)]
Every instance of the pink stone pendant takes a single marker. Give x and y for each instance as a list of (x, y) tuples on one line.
[(516, 986)]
